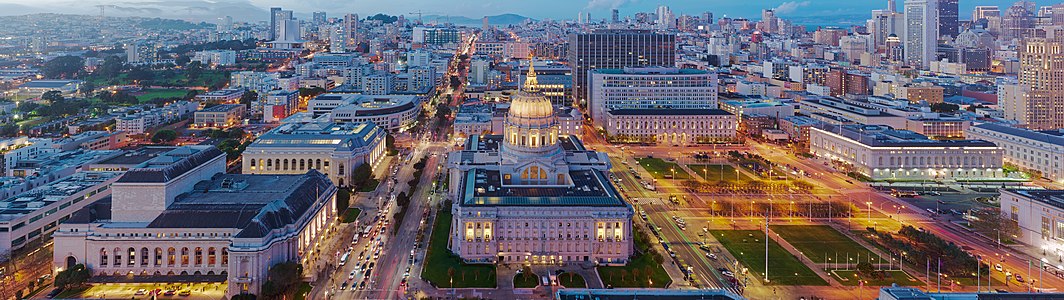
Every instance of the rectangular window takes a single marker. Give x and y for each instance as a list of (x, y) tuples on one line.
[(1060, 230), (1045, 228)]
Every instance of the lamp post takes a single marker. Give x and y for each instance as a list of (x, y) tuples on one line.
[(869, 203)]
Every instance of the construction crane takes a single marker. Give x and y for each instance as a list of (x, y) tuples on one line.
[(418, 13)]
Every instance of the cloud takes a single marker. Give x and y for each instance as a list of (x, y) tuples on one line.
[(789, 7), (601, 4)]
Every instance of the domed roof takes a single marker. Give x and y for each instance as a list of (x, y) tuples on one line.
[(530, 106)]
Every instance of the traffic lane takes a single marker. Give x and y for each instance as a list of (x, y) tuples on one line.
[(685, 248)]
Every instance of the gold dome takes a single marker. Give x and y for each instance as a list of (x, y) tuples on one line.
[(530, 106)]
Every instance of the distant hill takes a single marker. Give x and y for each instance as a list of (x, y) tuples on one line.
[(503, 19)]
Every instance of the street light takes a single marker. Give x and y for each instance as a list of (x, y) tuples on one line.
[(869, 203)]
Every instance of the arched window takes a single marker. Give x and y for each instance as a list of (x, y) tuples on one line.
[(184, 256), (341, 170), (144, 257), (302, 164), (132, 256), (225, 256), (171, 257), (199, 256), (269, 163), (159, 256), (252, 162), (103, 257), (211, 257), (118, 257), (317, 164), (284, 165)]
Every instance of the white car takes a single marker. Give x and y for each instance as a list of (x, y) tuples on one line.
[(351, 276)]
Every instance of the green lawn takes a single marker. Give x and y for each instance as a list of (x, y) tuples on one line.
[(369, 186), (149, 95), (526, 280), (891, 277), (820, 243), (660, 168), (351, 214), (570, 280), (439, 260), (623, 277), (714, 173), (748, 246)]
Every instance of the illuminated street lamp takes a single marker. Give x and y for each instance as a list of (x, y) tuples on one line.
[(869, 203)]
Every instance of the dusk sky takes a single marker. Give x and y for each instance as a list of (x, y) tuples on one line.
[(554, 9)]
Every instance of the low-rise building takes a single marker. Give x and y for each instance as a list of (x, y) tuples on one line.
[(1039, 151), (179, 216), (671, 126), (280, 104), (334, 149), (1040, 215), (36, 213), (226, 96), (37, 88), (215, 58), (771, 108), (220, 116), (884, 153), (143, 121), (797, 128), (396, 113)]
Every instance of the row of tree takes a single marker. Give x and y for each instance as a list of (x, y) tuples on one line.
[(925, 248)]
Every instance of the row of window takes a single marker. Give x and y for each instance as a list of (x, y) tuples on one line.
[(185, 257)]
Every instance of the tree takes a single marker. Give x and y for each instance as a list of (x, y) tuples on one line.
[(944, 107), (65, 67), (165, 135), (86, 88), (286, 274), (110, 68), (362, 174), (193, 71), (248, 97), (52, 96), (311, 92), (442, 111), (182, 60), (72, 277), (236, 133), (867, 271), (389, 143), (243, 297)]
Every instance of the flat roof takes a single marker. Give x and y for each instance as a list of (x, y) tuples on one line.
[(590, 188), (651, 71), (320, 135), (885, 136), (635, 294), (221, 108), (1055, 137), (1054, 198), (40, 197), (171, 164), (38, 84), (675, 112), (137, 156)]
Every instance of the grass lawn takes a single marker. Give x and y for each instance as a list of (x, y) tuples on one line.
[(439, 260), (622, 277), (891, 277), (714, 173), (660, 168), (351, 214), (573, 281), (149, 95), (820, 243), (304, 289), (370, 185), (72, 293), (526, 280), (748, 246)]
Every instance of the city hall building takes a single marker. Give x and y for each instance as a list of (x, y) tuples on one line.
[(532, 195), (334, 149), (179, 216)]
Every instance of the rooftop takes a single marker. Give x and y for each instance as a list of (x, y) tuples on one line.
[(885, 136), (320, 135), (48, 84), (634, 294), (137, 156), (1055, 137), (171, 164), (35, 199), (651, 71), (590, 188), (675, 112), (1052, 197), (221, 108)]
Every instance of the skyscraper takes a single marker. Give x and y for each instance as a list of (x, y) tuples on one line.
[(985, 12), (1018, 19), (319, 18), (1041, 63), (351, 30), (769, 22), (666, 19), (615, 17), (921, 32), (948, 23), (616, 49), (274, 11), (884, 23), (278, 17)]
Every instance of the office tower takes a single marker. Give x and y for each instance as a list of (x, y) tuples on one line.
[(351, 29), (649, 88), (337, 39), (1041, 63), (769, 21), (1018, 19), (274, 11), (141, 52), (484, 25), (892, 6), (948, 23), (885, 23), (921, 32), (319, 18), (707, 17), (985, 12), (615, 17), (616, 49), (666, 19), (279, 17), (287, 30)]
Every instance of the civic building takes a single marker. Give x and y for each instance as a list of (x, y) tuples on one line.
[(179, 217), (534, 196), (334, 149)]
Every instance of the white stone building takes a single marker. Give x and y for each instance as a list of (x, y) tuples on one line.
[(534, 196), (396, 113), (1041, 151), (334, 149), (1040, 215), (180, 215), (671, 126)]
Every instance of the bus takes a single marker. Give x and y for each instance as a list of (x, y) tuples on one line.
[(343, 259), (903, 194)]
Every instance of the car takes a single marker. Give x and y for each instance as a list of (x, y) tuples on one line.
[(141, 292), (54, 292), (351, 276), (185, 293), (998, 267), (1019, 278), (711, 256), (169, 293), (704, 248), (727, 274), (362, 286)]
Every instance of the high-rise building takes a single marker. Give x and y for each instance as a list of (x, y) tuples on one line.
[(985, 12), (1018, 19), (319, 18), (616, 49), (274, 12), (1042, 97), (141, 52), (885, 23), (948, 23), (649, 88), (921, 32), (769, 22), (666, 19), (615, 16), (287, 30), (278, 23), (351, 29)]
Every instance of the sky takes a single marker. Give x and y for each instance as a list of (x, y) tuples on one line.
[(539, 9)]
